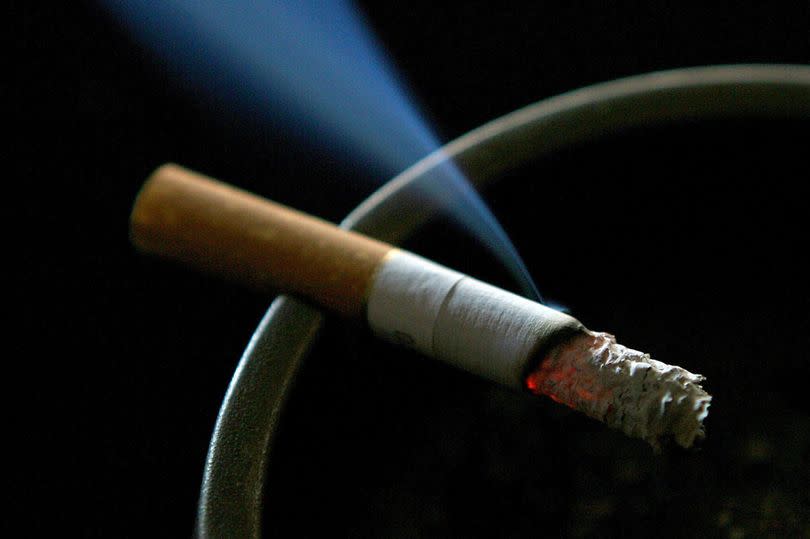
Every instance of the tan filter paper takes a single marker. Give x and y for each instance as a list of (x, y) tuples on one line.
[(207, 224)]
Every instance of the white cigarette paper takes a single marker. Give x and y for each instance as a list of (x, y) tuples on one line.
[(460, 320)]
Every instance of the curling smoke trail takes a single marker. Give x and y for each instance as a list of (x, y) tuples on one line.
[(314, 66)]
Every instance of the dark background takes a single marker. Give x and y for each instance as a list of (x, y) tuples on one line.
[(118, 364)]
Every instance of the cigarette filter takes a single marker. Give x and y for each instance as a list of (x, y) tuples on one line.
[(417, 303)]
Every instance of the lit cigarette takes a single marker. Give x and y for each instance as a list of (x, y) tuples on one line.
[(412, 301)]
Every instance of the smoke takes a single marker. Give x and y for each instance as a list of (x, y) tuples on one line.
[(315, 68)]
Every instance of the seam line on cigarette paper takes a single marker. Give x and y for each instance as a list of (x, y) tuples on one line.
[(447, 299), (405, 299)]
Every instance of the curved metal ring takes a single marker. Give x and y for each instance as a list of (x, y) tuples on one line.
[(233, 482)]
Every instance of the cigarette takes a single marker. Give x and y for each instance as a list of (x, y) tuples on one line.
[(414, 302)]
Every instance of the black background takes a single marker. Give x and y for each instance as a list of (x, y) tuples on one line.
[(117, 364)]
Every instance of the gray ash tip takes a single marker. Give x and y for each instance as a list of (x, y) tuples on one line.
[(626, 389)]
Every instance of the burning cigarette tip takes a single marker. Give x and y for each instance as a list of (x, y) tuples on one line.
[(625, 389)]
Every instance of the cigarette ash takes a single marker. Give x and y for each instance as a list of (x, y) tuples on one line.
[(625, 389)]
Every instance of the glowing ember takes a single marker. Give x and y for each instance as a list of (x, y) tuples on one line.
[(624, 388)]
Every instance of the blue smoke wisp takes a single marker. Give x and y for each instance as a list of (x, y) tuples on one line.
[(317, 69)]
